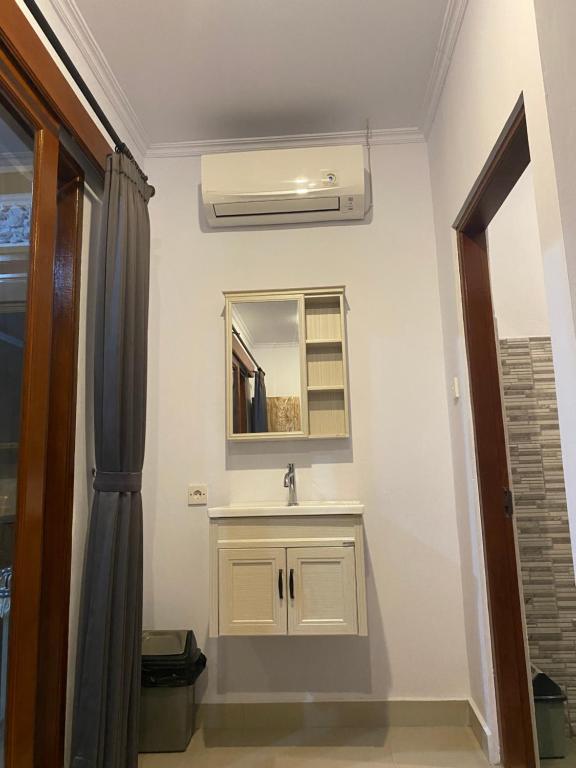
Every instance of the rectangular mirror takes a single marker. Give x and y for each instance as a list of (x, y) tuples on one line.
[(266, 360), (285, 371)]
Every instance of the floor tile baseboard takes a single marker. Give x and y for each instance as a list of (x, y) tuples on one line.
[(341, 714), (482, 734)]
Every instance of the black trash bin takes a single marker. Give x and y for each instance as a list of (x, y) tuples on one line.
[(550, 719), (171, 664)]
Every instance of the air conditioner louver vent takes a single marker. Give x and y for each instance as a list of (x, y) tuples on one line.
[(267, 207)]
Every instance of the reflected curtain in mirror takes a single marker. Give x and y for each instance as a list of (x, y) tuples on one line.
[(259, 409)]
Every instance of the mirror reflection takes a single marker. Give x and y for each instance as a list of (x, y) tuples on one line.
[(266, 375)]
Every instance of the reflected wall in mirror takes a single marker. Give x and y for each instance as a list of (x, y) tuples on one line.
[(266, 366), (285, 360)]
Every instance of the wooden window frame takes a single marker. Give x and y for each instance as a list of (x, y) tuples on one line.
[(19, 39), (505, 165), (33, 84)]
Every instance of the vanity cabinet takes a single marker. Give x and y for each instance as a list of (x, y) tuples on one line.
[(323, 596), (251, 594), (297, 574)]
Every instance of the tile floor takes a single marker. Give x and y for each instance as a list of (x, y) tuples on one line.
[(568, 762), (405, 747)]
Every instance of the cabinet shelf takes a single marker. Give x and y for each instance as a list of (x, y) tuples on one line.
[(325, 366), (324, 342)]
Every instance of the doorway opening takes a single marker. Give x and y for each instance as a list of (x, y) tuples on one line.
[(528, 558)]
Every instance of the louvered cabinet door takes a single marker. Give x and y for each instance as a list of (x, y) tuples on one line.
[(252, 591), (322, 591)]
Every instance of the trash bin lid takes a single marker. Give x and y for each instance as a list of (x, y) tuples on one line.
[(545, 689), (170, 658), (168, 642)]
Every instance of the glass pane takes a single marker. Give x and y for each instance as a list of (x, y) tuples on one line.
[(16, 173), (266, 376)]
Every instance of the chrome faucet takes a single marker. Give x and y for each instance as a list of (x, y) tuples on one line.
[(290, 483)]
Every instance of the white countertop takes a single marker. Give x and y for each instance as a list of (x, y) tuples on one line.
[(278, 509)]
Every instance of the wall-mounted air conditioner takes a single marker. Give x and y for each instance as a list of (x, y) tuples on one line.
[(283, 186)]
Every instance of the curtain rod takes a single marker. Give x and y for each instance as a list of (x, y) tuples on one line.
[(51, 36), (250, 355)]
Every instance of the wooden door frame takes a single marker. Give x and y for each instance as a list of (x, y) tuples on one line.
[(505, 165), (36, 88)]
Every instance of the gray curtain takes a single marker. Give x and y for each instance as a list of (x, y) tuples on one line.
[(105, 726), (259, 407)]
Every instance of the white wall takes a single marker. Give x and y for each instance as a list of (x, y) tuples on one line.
[(397, 461), (516, 268), (495, 60), (556, 24)]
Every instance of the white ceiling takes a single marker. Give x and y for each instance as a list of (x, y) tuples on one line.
[(196, 70)]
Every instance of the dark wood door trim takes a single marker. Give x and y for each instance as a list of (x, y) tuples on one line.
[(505, 164), (503, 169), (28, 51)]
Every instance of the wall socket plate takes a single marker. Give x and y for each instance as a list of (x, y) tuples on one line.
[(197, 495)]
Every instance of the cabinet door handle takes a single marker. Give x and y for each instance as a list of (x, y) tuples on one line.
[(291, 583), (281, 583)]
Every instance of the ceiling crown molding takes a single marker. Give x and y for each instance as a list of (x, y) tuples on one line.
[(338, 138), (453, 18), (72, 19)]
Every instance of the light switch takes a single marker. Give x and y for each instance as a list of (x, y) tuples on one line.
[(456, 388), (197, 495)]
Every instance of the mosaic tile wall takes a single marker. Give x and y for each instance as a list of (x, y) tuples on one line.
[(540, 508)]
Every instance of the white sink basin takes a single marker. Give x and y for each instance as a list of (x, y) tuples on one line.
[(278, 509)]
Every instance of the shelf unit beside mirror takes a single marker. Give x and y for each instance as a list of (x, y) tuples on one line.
[(292, 345)]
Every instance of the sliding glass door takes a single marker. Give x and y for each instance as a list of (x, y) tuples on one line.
[(16, 188), (40, 226)]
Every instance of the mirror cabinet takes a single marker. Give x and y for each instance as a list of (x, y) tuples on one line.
[(286, 373)]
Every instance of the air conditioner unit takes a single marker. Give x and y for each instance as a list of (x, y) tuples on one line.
[(283, 186)]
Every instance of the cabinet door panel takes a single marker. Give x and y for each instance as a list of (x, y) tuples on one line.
[(323, 598), (250, 600)]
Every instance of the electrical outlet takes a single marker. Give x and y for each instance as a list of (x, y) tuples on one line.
[(197, 495)]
